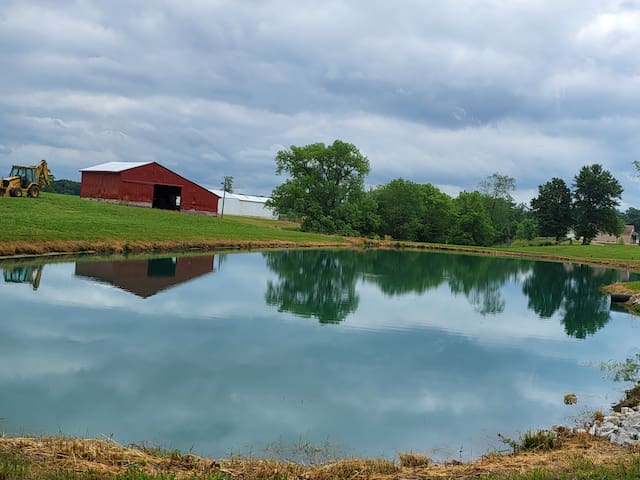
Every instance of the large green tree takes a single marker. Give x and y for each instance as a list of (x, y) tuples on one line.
[(596, 195), (552, 209), (325, 188), (503, 212), (400, 209), (412, 211), (472, 225)]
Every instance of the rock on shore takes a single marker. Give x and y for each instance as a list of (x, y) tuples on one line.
[(621, 428)]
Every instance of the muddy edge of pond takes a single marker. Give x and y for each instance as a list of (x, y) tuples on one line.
[(25, 249)]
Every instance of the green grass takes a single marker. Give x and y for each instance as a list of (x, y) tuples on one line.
[(632, 285), (608, 252), (55, 217), (612, 254), (59, 218), (533, 440), (582, 469)]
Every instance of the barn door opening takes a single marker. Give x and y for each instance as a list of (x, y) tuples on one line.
[(166, 197), (161, 267)]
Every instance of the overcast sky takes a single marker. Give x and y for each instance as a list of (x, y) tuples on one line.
[(439, 91)]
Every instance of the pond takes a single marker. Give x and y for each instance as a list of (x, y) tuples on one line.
[(365, 353)]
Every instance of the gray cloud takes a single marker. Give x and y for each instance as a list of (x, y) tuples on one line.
[(446, 92)]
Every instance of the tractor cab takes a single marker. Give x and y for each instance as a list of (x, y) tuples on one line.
[(27, 175)]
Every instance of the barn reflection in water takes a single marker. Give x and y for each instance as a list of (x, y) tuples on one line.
[(145, 278)]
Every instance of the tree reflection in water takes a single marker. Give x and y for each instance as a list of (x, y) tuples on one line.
[(481, 279), (545, 287), (314, 283), (573, 289), (322, 284)]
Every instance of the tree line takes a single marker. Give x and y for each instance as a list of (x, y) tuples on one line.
[(325, 190), (67, 187)]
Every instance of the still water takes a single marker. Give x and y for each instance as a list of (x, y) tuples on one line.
[(371, 353)]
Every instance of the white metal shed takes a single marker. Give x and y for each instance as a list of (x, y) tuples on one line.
[(245, 205)]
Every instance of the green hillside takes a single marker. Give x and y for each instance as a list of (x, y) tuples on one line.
[(56, 217)]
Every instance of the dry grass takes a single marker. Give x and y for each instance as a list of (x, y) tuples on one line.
[(575, 447), (631, 400), (12, 249), (410, 459), (107, 459), (620, 287), (104, 458)]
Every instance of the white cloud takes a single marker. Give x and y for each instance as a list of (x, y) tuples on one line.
[(444, 92)]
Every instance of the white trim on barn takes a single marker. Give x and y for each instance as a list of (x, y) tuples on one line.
[(244, 205)]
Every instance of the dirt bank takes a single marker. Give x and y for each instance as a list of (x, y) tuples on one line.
[(26, 249)]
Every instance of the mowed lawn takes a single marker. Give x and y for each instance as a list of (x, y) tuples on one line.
[(56, 217), (604, 252)]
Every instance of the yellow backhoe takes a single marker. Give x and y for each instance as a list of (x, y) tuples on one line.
[(25, 181)]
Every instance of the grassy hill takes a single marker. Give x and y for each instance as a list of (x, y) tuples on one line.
[(70, 223)]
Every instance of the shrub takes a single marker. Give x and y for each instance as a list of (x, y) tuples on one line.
[(538, 440), (411, 459)]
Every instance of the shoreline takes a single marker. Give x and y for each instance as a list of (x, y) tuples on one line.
[(109, 459), (28, 250), (17, 250)]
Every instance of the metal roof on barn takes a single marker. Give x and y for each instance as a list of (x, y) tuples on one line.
[(237, 196), (114, 166)]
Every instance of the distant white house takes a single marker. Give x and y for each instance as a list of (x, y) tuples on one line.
[(245, 205)]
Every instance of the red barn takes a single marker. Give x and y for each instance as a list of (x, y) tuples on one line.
[(146, 184)]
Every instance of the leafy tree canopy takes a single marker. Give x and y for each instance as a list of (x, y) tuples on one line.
[(472, 225), (412, 211), (227, 184), (325, 187), (596, 194), (632, 216), (496, 190), (526, 229), (552, 209), (498, 186)]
